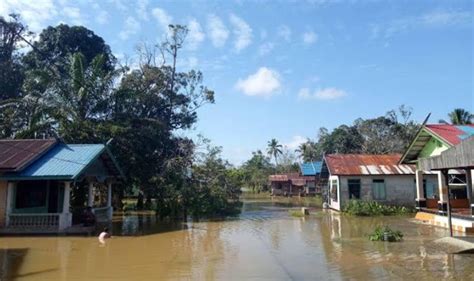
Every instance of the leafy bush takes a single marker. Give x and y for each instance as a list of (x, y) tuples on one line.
[(296, 213), (385, 233), (372, 208)]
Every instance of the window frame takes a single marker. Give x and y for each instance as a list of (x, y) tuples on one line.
[(376, 194)]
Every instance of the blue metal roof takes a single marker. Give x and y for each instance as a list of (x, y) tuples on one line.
[(64, 161), (311, 168)]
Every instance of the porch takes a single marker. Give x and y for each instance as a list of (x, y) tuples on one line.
[(42, 207)]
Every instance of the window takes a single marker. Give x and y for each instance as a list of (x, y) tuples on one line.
[(334, 190), (378, 190), (354, 188), (31, 194)]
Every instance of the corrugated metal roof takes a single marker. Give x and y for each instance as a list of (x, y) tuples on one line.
[(283, 177), (17, 154), (452, 134), (448, 134), (311, 168), (63, 162), (367, 164)]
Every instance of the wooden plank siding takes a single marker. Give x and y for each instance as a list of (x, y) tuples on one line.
[(3, 202), (458, 156)]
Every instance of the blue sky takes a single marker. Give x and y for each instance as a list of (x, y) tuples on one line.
[(282, 69)]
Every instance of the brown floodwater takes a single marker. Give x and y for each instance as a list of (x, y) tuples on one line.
[(263, 243)]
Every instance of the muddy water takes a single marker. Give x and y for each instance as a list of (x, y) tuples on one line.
[(263, 243)]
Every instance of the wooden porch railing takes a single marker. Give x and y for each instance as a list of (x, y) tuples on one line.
[(102, 213), (43, 221)]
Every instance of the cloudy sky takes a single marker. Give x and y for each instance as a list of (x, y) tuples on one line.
[(282, 69)]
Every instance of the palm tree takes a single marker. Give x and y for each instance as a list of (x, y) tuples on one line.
[(274, 149), (306, 151), (459, 116)]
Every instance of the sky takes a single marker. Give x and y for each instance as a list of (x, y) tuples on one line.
[(283, 69)]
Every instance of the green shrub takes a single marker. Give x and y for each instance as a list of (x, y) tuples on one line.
[(385, 233), (372, 208), (296, 213), (128, 207)]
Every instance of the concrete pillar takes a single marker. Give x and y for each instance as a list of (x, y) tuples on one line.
[(109, 195), (110, 210), (443, 194), (67, 196), (9, 207), (469, 189), (65, 219), (90, 196), (420, 193)]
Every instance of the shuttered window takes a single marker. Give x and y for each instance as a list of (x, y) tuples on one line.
[(378, 190)]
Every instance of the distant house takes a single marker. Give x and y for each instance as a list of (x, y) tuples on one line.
[(369, 177), (432, 141), (304, 183), (37, 178)]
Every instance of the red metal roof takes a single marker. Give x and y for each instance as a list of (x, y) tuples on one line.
[(453, 134), (367, 164), (15, 155)]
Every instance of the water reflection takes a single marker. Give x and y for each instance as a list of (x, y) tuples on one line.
[(264, 242)]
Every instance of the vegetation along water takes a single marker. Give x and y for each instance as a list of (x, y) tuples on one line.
[(263, 242)]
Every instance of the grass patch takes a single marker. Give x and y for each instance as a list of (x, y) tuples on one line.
[(296, 213), (372, 208), (385, 233)]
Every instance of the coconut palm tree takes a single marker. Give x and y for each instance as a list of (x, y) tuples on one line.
[(459, 116), (307, 151), (274, 149)]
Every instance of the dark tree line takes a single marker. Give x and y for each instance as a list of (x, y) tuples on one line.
[(69, 85)]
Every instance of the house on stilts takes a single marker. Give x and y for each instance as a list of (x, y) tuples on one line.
[(444, 150)]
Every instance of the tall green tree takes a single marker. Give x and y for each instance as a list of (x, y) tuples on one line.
[(459, 116), (11, 75), (274, 149), (307, 151)]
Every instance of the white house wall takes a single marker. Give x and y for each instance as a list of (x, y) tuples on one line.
[(400, 189), (334, 204)]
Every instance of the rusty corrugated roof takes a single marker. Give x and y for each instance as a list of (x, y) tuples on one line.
[(453, 134), (17, 154), (283, 177), (367, 164)]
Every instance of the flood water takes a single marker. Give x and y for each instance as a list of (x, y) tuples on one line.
[(263, 243)]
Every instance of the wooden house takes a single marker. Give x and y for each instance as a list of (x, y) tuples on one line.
[(37, 178)]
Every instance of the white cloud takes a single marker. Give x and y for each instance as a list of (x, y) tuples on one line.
[(295, 142), (119, 5), (265, 48), (265, 82), (34, 13), (142, 9), (437, 18), (310, 37), (217, 31), (188, 63), (446, 17), (321, 94), (195, 35), (132, 26), (102, 17), (242, 31), (284, 32), (73, 14), (163, 18)]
